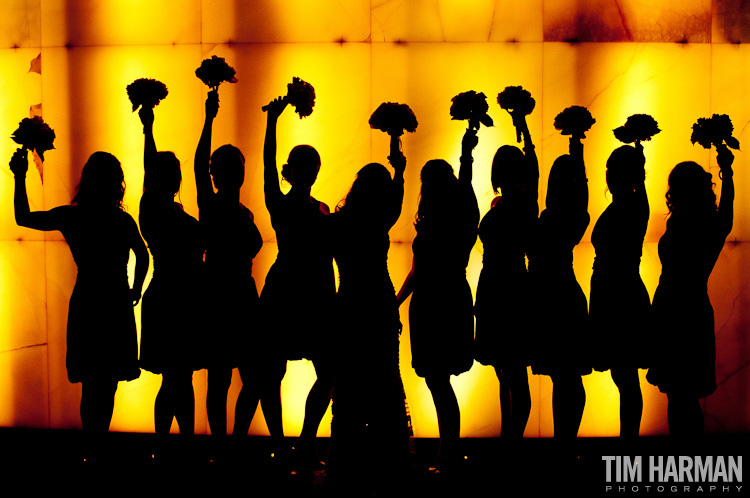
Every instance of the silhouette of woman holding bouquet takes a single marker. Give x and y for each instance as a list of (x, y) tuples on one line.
[(232, 241), (102, 346), (370, 433), (170, 320), (620, 304), (684, 364), (503, 296), (562, 312), (441, 316), (299, 287)]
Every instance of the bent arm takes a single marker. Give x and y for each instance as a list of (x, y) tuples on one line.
[(38, 220), (141, 262), (407, 287)]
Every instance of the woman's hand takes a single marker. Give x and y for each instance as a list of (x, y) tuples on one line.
[(19, 163), (275, 107), (469, 141), (147, 117)]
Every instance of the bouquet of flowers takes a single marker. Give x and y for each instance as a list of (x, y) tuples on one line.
[(472, 106), (35, 135), (393, 119), (516, 100), (637, 128), (716, 130), (575, 120), (146, 92), (215, 71), (301, 95)]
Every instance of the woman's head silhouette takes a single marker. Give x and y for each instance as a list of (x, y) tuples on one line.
[(302, 167), (507, 174), (228, 168), (368, 189), (625, 170), (691, 190), (166, 175)]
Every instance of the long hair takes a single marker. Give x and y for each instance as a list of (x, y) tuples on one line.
[(691, 189), (507, 168), (373, 181), (102, 182), (439, 189)]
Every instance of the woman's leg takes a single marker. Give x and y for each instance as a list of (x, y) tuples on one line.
[(247, 401), (515, 380), (219, 380), (631, 400), (568, 401), (270, 398), (97, 404), (317, 401), (449, 416), (685, 415)]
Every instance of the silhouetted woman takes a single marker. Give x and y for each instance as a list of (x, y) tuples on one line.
[(503, 296), (102, 346), (170, 318), (684, 365), (370, 430), (232, 241), (620, 304), (299, 286), (441, 315), (561, 311)]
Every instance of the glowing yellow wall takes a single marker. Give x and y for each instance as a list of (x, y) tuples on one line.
[(630, 58)]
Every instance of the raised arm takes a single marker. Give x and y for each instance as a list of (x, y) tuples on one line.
[(149, 146), (529, 152), (203, 183), (640, 190), (38, 220), (579, 172), (724, 159), (141, 262), (470, 140), (271, 187), (396, 202)]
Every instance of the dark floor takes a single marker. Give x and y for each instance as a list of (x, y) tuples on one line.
[(57, 462)]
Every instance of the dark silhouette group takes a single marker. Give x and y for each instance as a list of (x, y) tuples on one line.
[(202, 309)]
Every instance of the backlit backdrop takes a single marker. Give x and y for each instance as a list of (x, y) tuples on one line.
[(71, 60)]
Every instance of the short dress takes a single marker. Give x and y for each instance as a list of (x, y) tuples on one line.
[(233, 329), (685, 347), (172, 309), (441, 312), (560, 328), (102, 342), (503, 308), (299, 288), (619, 306)]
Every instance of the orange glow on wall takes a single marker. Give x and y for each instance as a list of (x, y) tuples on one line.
[(676, 62)]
